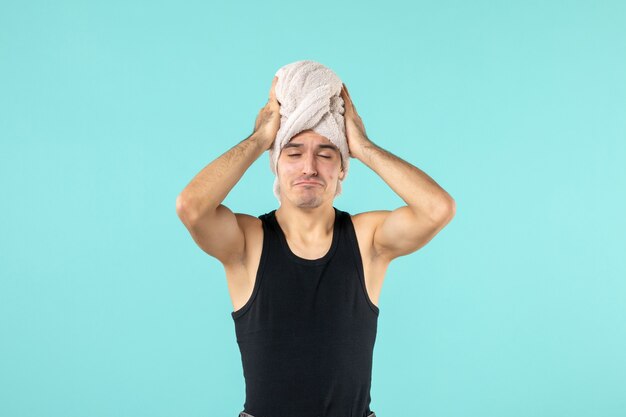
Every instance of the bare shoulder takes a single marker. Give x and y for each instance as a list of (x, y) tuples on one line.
[(252, 228), (242, 269), (248, 223), (369, 219), (365, 225), (374, 265), (241, 273)]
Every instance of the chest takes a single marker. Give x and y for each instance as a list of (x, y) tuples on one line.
[(241, 277)]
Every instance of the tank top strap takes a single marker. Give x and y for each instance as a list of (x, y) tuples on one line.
[(278, 239)]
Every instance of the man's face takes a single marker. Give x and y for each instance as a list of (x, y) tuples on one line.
[(309, 167)]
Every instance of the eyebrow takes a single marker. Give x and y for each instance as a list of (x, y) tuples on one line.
[(323, 146)]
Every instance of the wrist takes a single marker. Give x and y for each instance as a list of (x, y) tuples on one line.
[(261, 141), (361, 150)]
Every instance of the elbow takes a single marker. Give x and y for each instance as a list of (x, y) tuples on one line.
[(451, 207), (183, 209), (446, 211), (190, 212)]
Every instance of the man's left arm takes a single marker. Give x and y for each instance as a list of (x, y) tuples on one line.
[(429, 207)]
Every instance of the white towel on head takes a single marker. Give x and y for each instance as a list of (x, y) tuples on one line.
[(310, 99)]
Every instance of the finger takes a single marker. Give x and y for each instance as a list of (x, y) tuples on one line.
[(272, 89), (347, 95), (348, 106), (346, 88)]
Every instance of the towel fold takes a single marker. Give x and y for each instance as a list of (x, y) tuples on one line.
[(309, 94)]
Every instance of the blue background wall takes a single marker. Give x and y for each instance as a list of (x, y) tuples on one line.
[(517, 109)]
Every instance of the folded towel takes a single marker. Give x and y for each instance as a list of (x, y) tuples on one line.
[(310, 99)]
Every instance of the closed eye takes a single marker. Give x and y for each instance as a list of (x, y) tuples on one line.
[(297, 154)]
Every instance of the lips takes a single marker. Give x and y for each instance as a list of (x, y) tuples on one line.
[(308, 183)]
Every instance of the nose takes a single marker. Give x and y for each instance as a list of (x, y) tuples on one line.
[(309, 167)]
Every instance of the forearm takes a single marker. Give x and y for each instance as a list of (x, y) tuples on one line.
[(420, 192), (209, 187)]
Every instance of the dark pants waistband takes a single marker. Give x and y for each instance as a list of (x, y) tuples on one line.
[(243, 414)]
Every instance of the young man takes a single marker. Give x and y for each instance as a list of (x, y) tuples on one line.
[(305, 279)]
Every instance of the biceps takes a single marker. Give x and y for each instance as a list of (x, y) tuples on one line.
[(219, 235), (402, 232)]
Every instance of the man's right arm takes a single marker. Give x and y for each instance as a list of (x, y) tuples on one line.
[(212, 225), (199, 206)]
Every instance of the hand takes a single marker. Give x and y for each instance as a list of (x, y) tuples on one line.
[(268, 120), (355, 130)]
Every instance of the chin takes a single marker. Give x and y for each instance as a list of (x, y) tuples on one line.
[(309, 204), (308, 201)]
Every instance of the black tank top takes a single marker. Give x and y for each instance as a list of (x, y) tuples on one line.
[(307, 332)]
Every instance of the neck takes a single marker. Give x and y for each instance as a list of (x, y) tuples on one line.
[(308, 223)]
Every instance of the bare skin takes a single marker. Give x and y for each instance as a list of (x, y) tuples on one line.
[(308, 174)]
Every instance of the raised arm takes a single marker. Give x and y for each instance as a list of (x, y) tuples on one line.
[(213, 226), (429, 208)]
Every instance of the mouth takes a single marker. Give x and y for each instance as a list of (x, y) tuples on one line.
[(308, 183)]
